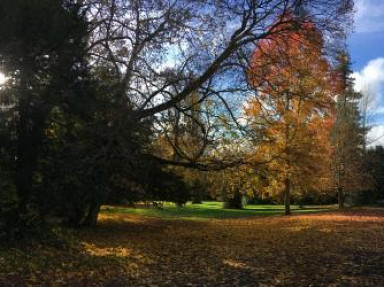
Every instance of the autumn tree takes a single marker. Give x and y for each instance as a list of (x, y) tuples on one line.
[(162, 52), (107, 73), (292, 109), (193, 46)]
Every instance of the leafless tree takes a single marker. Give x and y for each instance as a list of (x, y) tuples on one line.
[(159, 52)]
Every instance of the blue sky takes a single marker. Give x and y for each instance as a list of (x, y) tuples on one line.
[(366, 46)]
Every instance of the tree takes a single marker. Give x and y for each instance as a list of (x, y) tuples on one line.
[(292, 109), (348, 135), (162, 52), (42, 52), (374, 166), (106, 73)]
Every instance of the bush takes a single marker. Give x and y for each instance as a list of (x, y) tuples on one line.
[(8, 198), (16, 222)]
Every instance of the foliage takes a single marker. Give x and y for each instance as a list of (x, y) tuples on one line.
[(292, 111), (91, 89), (69, 138), (374, 166), (348, 136), (231, 186), (41, 52)]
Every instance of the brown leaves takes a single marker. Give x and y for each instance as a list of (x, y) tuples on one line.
[(329, 249)]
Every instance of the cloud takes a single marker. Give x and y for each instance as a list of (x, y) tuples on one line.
[(369, 16), (375, 136), (370, 82)]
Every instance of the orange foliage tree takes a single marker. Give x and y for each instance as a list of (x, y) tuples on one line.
[(292, 110)]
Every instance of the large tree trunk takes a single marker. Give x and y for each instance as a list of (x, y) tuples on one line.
[(26, 155), (287, 196), (86, 213), (93, 213), (30, 134), (340, 197), (25, 167)]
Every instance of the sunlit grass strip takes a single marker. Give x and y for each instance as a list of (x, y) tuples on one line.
[(211, 209)]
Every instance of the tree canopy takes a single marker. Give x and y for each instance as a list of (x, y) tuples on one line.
[(94, 86), (292, 108)]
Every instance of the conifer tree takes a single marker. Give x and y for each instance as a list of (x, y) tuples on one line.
[(348, 135)]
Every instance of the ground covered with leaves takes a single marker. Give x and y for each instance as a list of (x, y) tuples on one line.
[(323, 249)]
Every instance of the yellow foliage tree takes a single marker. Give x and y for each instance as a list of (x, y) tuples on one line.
[(292, 109)]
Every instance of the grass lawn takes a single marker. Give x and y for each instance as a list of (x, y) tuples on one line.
[(212, 209), (137, 249)]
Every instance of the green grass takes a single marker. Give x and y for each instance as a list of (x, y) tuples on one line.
[(211, 209)]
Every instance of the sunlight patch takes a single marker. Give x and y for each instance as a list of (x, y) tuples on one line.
[(3, 79), (101, 252), (235, 264)]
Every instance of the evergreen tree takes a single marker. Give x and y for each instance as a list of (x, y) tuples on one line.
[(42, 52), (348, 135)]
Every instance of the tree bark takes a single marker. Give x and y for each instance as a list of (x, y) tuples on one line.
[(93, 213), (86, 213), (26, 155), (287, 196), (30, 134), (340, 197)]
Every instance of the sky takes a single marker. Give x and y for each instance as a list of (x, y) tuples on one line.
[(366, 46)]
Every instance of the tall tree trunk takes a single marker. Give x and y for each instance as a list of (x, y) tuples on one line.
[(93, 213), (30, 133), (340, 197), (26, 153), (288, 142), (25, 165), (86, 212), (287, 196)]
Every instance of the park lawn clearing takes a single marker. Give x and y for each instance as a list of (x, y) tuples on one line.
[(319, 249), (211, 210)]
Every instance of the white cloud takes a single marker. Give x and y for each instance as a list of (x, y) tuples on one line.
[(369, 16), (375, 136), (370, 82)]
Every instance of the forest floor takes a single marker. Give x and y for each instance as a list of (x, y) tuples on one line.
[(319, 249)]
